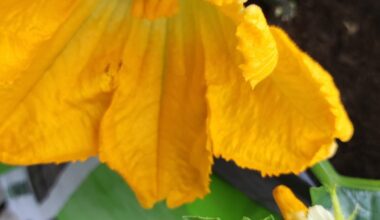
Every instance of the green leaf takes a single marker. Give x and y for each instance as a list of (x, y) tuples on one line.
[(356, 197), (105, 196)]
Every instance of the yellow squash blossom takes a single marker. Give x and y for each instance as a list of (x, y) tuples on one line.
[(156, 88), (293, 209)]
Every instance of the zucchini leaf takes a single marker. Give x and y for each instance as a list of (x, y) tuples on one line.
[(357, 198)]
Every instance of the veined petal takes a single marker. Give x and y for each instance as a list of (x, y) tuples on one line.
[(255, 42), (153, 9), (154, 133), (25, 26), (51, 111), (287, 123)]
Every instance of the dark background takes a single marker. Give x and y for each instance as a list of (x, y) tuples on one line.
[(343, 36)]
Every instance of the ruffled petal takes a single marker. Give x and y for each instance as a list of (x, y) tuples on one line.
[(51, 109), (254, 39), (257, 45), (287, 123), (154, 133)]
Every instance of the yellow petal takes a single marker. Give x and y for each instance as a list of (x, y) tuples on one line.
[(51, 111), (288, 122), (290, 206), (25, 27), (154, 133), (254, 39), (153, 9), (257, 45)]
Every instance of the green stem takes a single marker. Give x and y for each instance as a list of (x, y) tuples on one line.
[(327, 175), (354, 214), (330, 179), (338, 214)]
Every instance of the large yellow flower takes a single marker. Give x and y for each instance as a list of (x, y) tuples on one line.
[(156, 88)]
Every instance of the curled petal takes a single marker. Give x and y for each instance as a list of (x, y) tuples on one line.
[(287, 123), (254, 39), (155, 131), (257, 45)]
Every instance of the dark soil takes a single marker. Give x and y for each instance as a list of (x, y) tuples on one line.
[(344, 36)]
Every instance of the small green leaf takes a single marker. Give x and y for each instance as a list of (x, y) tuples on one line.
[(352, 198)]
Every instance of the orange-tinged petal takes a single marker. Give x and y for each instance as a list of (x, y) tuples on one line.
[(343, 126), (254, 39), (25, 27), (154, 133), (51, 112), (232, 8), (257, 45), (286, 123), (154, 9), (290, 206)]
